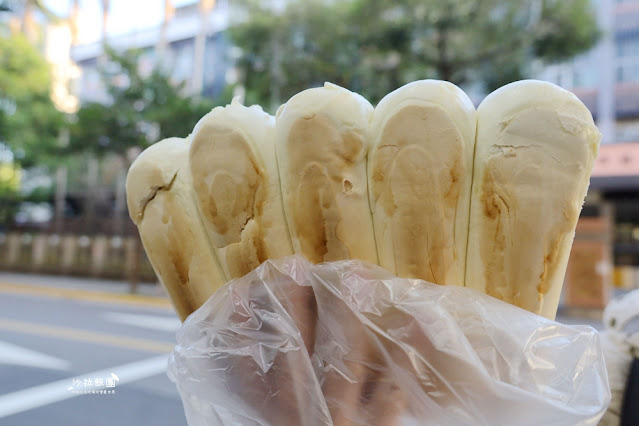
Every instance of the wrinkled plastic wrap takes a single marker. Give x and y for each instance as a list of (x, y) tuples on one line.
[(346, 343), (620, 344)]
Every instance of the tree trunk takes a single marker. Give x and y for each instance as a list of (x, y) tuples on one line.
[(276, 72), (92, 188), (60, 198), (443, 65), (61, 185), (134, 271), (120, 201)]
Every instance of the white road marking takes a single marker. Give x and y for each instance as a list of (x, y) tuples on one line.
[(154, 322), (28, 399), (18, 355)]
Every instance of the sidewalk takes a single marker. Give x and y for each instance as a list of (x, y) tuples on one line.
[(108, 291), (570, 318), (77, 283), (154, 294)]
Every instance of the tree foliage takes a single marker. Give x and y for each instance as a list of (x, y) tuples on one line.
[(141, 110), (375, 46), (29, 122)]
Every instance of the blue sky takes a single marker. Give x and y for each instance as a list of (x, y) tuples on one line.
[(125, 15)]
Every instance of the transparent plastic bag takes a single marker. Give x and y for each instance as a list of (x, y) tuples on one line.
[(346, 343), (620, 344)]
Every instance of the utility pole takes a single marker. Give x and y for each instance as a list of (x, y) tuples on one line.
[(120, 199), (197, 80), (61, 186), (606, 108), (162, 46), (93, 164), (61, 176)]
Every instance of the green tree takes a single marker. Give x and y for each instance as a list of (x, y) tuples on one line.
[(141, 110), (375, 46), (29, 122)]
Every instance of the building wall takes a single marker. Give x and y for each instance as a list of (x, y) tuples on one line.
[(615, 105), (178, 59), (584, 74)]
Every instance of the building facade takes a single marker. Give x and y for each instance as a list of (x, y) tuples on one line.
[(174, 46), (606, 79)]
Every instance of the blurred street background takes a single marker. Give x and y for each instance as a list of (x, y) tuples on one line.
[(86, 85), (62, 339)]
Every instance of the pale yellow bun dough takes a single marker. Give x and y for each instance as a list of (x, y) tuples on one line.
[(237, 187), (321, 152), (422, 138), (161, 203), (536, 146)]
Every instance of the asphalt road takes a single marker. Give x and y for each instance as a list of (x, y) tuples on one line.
[(71, 354), (79, 359)]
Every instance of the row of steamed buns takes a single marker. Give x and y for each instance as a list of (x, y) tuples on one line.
[(424, 185)]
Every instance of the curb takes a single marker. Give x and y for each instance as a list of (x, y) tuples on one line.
[(85, 295)]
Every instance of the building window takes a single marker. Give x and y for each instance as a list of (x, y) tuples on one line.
[(211, 58), (628, 47), (182, 60), (627, 131), (584, 76), (628, 71)]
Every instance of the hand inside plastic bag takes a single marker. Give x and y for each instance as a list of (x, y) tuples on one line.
[(347, 343)]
